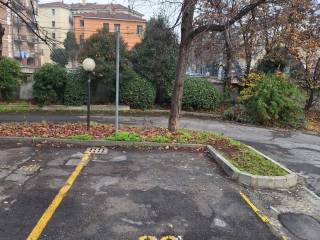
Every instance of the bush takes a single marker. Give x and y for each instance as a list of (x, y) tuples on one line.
[(275, 100), (124, 136), (49, 84), (9, 77), (136, 91), (237, 113), (199, 94), (82, 137), (75, 90)]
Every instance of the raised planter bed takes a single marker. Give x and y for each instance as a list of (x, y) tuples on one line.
[(270, 182)]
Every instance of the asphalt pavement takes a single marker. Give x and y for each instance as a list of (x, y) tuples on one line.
[(121, 194)]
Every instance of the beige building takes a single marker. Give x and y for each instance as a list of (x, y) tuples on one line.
[(18, 41), (57, 18)]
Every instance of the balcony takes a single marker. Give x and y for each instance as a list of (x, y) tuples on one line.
[(28, 69)]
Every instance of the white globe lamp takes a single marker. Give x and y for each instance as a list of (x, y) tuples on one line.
[(88, 64)]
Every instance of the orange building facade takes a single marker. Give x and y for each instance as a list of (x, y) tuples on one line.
[(131, 27)]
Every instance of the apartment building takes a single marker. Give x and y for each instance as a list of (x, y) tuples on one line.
[(85, 19), (56, 20), (19, 41), (130, 27)]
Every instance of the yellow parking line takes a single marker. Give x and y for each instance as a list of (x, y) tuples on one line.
[(264, 218), (47, 215), (255, 209)]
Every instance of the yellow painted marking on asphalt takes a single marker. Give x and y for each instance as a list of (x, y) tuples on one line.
[(255, 209), (147, 238), (169, 238), (264, 218), (47, 215)]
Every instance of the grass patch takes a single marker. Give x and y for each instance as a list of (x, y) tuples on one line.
[(15, 107), (82, 137), (183, 136), (250, 161), (124, 136), (159, 139)]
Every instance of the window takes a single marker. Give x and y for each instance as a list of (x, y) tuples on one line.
[(81, 23), (139, 29), (81, 39), (106, 27), (30, 61), (53, 23), (54, 35), (53, 11), (117, 27)]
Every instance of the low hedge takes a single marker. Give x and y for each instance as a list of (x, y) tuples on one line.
[(49, 84), (135, 91), (75, 90), (199, 94)]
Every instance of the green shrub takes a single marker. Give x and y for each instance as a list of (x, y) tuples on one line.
[(160, 139), (75, 90), (183, 136), (199, 94), (49, 84), (82, 137), (136, 91), (237, 113), (9, 77), (275, 100), (124, 136)]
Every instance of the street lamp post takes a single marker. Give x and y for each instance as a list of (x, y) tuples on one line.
[(88, 65)]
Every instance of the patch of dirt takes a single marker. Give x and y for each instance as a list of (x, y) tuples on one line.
[(99, 131)]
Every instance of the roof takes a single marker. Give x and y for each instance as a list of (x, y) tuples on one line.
[(54, 4), (106, 15), (87, 6)]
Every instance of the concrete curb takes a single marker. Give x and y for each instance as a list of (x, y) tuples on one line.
[(102, 143), (269, 182), (272, 182)]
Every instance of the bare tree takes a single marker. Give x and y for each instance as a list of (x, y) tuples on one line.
[(192, 27), (2, 31)]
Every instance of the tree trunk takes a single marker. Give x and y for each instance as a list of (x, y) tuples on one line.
[(186, 28), (248, 62), (228, 63), (176, 100), (1, 36), (309, 101)]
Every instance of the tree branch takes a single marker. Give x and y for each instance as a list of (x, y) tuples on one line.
[(231, 21)]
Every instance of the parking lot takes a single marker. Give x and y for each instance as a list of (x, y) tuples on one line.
[(121, 194)]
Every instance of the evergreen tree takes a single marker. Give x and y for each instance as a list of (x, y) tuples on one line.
[(102, 48), (155, 57), (60, 56), (71, 46)]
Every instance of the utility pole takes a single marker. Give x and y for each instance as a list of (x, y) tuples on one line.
[(117, 77)]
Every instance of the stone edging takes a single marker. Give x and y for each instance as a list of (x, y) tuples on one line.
[(270, 182), (101, 143)]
